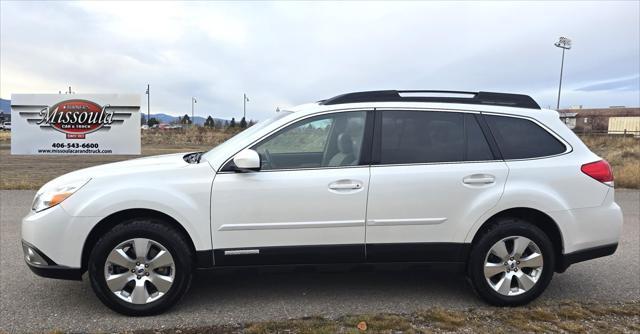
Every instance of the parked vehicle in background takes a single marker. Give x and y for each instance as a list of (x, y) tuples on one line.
[(6, 126), (486, 183)]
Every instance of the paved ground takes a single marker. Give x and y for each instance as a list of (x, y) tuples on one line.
[(29, 303)]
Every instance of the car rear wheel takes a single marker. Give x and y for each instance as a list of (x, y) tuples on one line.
[(511, 263), (140, 267)]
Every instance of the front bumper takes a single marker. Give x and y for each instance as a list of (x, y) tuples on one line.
[(43, 266), (58, 235)]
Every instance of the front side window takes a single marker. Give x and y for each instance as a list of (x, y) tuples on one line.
[(331, 140), (430, 136), (520, 138)]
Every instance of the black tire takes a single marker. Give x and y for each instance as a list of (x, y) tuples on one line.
[(154, 230), (505, 228)]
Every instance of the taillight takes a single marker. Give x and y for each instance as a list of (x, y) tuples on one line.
[(599, 170)]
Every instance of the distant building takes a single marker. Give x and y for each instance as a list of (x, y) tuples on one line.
[(624, 125), (568, 118), (597, 120)]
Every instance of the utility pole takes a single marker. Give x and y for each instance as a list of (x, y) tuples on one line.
[(193, 102), (565, 44), (148, 105), (245, 99)]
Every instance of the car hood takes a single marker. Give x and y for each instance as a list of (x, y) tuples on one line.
[(144, 166)]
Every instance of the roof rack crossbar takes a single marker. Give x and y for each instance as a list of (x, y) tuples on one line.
[(486, 98)]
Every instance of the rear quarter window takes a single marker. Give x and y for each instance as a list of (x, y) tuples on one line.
[(520, 138)]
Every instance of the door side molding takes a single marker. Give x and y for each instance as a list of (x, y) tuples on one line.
[(418, 252), (279, 255), (411, 221), (295, 225), (421, 252)]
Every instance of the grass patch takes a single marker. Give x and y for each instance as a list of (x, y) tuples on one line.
[(443, 318), (563, 317), (623, 153), (379, 323), (309, 325), (197, 136)]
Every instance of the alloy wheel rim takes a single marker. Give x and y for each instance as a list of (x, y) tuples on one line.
[(513, 265), (139, 271)]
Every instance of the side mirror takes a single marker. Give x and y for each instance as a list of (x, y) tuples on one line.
[(247, 160)]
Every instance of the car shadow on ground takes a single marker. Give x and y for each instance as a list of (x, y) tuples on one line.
[(309, 289)]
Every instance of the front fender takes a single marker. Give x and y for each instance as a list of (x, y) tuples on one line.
[(184, 196)]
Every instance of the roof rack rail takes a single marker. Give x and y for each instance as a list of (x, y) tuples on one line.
[(487, 98)]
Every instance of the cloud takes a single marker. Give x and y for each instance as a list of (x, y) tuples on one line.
[(287, 53), (624, 84)]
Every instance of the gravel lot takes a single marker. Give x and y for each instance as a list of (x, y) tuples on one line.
[(32, 304)]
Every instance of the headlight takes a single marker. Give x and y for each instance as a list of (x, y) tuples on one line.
[(52, 196)]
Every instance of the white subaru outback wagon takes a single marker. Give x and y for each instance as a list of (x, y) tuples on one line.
[(487, 182)]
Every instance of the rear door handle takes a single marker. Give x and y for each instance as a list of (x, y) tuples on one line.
[(479, 179), (345, 185)]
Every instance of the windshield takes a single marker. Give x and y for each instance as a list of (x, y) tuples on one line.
[(248, 132)]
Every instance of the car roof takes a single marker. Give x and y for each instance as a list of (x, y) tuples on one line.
[(429, 99), (311, 108)]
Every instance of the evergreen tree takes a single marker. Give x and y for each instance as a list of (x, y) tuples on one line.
[(243, 123), (233, 122), (185, 119), (153, 121), (209, 123)]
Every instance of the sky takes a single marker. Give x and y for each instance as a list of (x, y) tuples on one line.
[(287, 53)]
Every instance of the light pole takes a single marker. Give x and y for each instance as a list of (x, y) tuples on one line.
[(565, 44), (193, 102), (245, 99), (148, 105)]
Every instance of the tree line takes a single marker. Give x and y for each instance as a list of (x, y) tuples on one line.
[(208, 123)]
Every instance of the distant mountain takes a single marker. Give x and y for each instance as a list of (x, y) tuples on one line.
[(5, 106), (5, 111), (164, 118)]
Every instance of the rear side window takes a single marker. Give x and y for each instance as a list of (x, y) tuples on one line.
[(520, 138), (430, 136)]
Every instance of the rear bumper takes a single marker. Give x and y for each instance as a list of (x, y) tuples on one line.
[(589, 228), (584, 255), (43, 266)]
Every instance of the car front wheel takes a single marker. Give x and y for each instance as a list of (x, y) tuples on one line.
[(140, 267)]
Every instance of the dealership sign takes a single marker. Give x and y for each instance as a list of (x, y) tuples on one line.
[(75, 124)]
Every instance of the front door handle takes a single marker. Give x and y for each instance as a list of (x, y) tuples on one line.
[(479, 179), (345, 185)]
